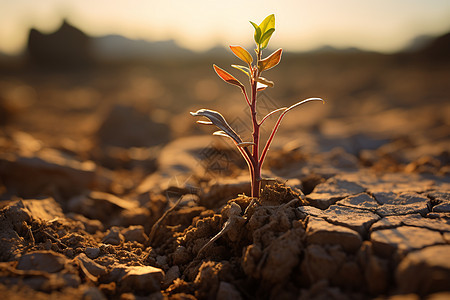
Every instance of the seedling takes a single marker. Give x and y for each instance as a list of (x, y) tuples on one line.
[(250, 150)]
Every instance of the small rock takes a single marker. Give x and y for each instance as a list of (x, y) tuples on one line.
[(92, 253), (44, 260), (161, 260), (425, 271), (403, 239), (172, 274), (113, 236), (135, 233), (91, 266), (321, 232), (334, 189), (181, 256), (227, 291), (361, 201), (142, 279)]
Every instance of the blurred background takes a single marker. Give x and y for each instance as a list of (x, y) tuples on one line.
[(107, 81)]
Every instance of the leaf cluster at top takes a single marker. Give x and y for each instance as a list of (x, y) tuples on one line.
[(264, 31)]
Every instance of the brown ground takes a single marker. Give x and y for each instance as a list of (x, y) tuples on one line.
[(91, 158)]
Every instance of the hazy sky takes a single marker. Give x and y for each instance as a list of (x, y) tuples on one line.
[(381, 25)]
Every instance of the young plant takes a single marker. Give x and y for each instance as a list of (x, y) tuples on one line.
[(250, 150)]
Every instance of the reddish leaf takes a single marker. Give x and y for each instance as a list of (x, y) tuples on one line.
[(270, 61), (227, 77), (243, 54)]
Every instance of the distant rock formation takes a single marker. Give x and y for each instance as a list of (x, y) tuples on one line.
[(438, 49), (66, 47)]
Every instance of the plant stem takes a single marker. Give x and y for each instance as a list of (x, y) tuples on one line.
[(256, 176)]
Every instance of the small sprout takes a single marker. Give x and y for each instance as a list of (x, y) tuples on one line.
[(255, 67), (264, 31)]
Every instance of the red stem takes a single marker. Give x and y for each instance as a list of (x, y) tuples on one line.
[(256, 176)]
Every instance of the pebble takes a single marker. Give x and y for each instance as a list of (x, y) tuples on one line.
[(91, 266), (92, 252), (143, 279), (135, 233), (113, 236), (44, 260)]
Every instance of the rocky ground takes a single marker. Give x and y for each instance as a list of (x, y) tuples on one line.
[(360, 208)]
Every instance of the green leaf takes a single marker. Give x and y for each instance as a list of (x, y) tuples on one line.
[(271, 61), (227, 77), (242, 69), (267, 24), (266, 37), (257, 34), (243, 54)]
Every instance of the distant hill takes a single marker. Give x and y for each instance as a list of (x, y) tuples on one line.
[(419, 43), (331, 49), (437, 49), (116, 47), (68, 45)]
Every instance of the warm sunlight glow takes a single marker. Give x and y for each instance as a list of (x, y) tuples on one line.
[(385, 25)]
